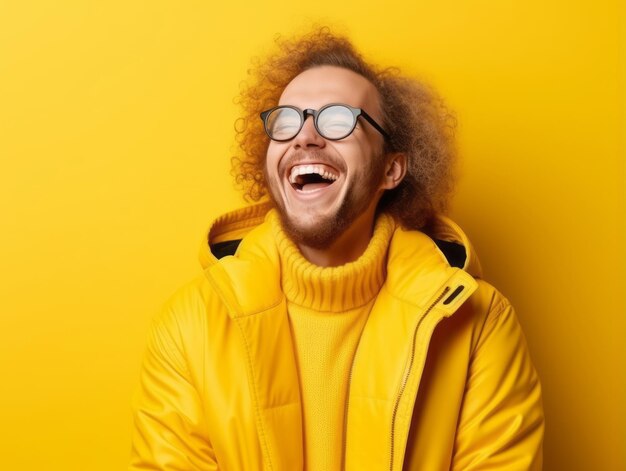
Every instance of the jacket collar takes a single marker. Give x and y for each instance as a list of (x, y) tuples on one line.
[(257, 258)]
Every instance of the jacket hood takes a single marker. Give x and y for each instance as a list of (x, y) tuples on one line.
[(227, 231)]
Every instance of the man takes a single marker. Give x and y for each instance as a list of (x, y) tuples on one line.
[(343, 324)]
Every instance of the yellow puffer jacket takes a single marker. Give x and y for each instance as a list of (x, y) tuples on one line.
[(441, 379)]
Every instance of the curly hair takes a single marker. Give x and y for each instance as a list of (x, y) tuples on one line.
[(416, 118)]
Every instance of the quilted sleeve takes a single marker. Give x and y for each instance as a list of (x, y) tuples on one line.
[(501, 424), (170, 433)]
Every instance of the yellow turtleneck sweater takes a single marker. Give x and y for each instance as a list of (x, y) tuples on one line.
[(328, 308)]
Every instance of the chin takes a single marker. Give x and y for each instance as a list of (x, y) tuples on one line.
[(316, 232)]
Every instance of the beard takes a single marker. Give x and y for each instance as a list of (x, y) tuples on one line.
[(358, 197)]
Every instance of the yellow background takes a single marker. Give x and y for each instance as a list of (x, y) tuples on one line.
[(116, 127)]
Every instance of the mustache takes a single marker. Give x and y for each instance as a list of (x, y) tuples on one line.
[(305, 156)]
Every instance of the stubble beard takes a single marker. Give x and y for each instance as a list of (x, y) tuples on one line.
[(326, 230)]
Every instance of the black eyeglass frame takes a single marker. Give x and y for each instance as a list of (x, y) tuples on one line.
[(304, 114)]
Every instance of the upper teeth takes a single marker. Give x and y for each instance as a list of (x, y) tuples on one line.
[(308, 169)]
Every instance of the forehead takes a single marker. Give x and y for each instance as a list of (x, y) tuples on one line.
[(321, 85)]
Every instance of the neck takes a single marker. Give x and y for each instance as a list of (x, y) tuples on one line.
[(348, 247)]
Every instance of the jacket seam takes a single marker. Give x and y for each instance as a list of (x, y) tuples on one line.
[(283, 405), (261, 310), (493, 314), (256, 398), (498, 310), (412, 303), (182, 354), (172, 350), (401, 299), (238, 314)]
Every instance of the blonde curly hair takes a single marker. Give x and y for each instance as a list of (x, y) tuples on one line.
[(416, 118)]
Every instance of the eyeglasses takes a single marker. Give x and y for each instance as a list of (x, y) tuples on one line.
[(333, 121)]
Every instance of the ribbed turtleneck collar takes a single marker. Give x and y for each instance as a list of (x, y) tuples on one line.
[(333, 289)]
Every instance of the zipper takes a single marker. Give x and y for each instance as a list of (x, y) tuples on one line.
[(408, 372)]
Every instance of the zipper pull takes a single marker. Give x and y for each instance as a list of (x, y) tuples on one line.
[(454, 294)]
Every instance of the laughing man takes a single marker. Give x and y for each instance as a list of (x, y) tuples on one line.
[(341, 323)]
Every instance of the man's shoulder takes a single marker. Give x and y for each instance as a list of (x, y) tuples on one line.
[(418, 259), (489, 298), (188, 308), (486, 308)]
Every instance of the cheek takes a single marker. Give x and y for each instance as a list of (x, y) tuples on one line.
[(276, 160), (358, 156), (273, 155), (269, 166)]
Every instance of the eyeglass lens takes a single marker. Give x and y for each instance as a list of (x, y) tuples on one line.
[(333, 122)]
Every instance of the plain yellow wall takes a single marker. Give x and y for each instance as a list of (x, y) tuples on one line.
[(116, 127)]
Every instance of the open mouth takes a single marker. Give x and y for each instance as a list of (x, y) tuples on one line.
[(307, 178)]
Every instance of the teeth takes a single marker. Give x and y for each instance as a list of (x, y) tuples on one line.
[(308, 169)]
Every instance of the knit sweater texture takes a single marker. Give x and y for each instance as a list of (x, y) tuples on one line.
[(328, 308)]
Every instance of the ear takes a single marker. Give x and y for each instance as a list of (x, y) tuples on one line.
[(395, 169)]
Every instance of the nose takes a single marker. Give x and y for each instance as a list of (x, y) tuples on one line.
[(308, 136)]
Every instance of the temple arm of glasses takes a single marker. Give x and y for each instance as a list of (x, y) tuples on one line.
[(375, 124)]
